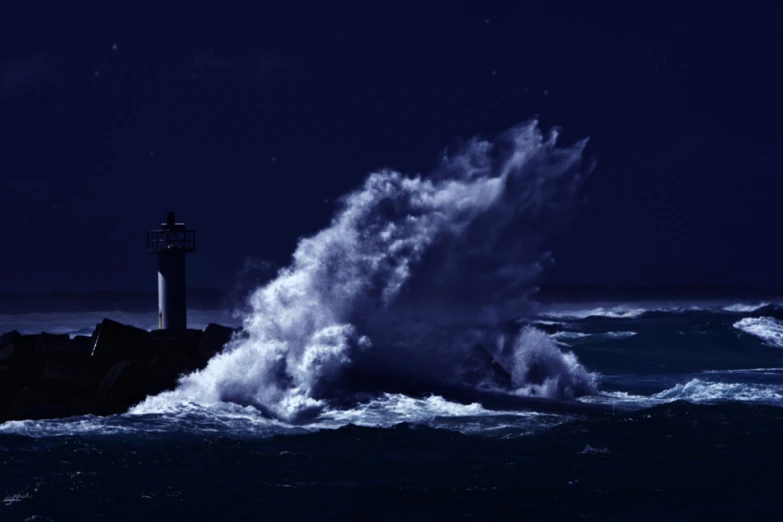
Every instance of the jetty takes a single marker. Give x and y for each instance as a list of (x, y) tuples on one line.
[(48, 376)]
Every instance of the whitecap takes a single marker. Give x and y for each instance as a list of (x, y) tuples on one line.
[(697, 390), (744, 308), (767, 329)]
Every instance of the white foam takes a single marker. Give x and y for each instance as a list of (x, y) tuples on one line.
[(613, 312), (697, 390), (767, 329), (577, 311), (182, 417), (744, 308), (619, 335), (391, 409), (224, 418), (569, 335), (17, 497), (770, 371), (589, 450)]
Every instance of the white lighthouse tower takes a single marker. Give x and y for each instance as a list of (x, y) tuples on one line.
[(171, 242)]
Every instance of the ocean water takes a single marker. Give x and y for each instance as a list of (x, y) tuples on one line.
[(685, 425), (356, 391)]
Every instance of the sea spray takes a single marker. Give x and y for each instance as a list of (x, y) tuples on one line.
[(410, 275)]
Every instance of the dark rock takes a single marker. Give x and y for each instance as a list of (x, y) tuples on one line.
[(500, 375), (111, 378), (174, 355), (22, 402), (8, 353), (20, 358), (114, 342), (22, 347), (50, 346), (174, 352), (121, 387), (80, 348), (11, 381), (214, 339), (9, 337), (8, 386), (67, 374), (5, 375), (49, 376), (186, 336), (41, 402), (481, 366)]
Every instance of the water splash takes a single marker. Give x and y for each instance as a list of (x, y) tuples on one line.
[(410, 275)]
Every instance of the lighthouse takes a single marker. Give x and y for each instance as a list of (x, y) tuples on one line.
[(171, 242)]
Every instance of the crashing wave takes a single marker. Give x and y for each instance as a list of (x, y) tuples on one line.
[(414, 283)]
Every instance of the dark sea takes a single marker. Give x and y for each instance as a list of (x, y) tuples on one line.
[(685, 423)]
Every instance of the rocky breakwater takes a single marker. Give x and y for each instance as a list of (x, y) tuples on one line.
[(50, 376)]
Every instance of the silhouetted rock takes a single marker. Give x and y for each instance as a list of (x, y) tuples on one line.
[(47, 376), (67, 374), (174, 353), (481, 366), (19, 356), (8, 353), (79, 349), (110, 380), (46, 402), (123, 386), (5, 376), (51, 346), (7, 386), (114, 342), (9, 337), (214, 339), (21, 404)]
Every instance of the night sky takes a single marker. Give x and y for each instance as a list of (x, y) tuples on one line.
[(250, 122)]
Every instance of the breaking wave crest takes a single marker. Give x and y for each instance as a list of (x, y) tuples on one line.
[(414, 283), (767, 329), (696, 391), (576, 312)]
